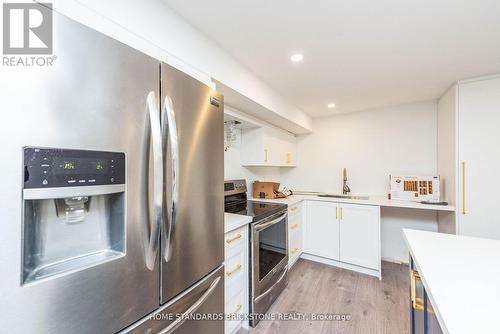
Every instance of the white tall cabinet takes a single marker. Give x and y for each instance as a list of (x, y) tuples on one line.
[(469, 156)]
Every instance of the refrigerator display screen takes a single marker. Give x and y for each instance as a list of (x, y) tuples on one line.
[(54, 167), (66, 166)]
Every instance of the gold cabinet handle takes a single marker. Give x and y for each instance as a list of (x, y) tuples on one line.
[(295, 250), (464, 210), (236, 237), (237, 308), (418, 304), (265, 155), (415, 301), (341, 213), (294, 226), (289, 158), (337, 216), (232, 271)]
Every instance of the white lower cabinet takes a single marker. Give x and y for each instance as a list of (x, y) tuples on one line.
[(359, 230), (322, 230), (295, 221), (235, 278), (234, 308), (346, 235)]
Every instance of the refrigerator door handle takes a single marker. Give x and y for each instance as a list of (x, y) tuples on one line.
[(156, 217), (196, 305), (170, 121)]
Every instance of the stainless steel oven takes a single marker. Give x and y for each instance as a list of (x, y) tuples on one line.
[(269, 262), (268, 245)]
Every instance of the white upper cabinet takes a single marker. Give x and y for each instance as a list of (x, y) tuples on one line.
[(267, 146)]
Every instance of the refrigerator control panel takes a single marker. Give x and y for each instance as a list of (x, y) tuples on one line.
[(53, 167)]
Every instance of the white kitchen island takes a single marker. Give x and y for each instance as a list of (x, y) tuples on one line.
[(461, 277)]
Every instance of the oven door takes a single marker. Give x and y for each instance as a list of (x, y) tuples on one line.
[(269, 252)]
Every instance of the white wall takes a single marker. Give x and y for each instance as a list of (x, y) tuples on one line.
[(447, 143), (393, 220), (153, 28), (447, 147), (371, 145)]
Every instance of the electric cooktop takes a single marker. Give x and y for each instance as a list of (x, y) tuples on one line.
[(235, 201), (257, 210)]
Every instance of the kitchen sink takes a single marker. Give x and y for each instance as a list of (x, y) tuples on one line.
[(344, 196)]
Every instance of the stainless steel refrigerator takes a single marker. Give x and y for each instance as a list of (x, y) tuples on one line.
[(111, 214)]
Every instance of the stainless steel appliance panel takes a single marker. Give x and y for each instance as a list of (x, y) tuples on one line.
[(94, 97), (269, 244), (272, 243), (269, 262), (203, 301), (261, 303), (192, 123)]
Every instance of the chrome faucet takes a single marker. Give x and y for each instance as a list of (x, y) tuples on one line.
[(345, 188)]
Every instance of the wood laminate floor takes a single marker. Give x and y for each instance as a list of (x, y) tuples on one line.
[(374, 306)]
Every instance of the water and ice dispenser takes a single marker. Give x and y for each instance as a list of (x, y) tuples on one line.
[(74, 210)]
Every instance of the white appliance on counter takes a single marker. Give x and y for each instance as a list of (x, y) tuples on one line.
[(415, 188)]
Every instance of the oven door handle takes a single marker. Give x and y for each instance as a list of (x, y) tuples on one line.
[(261, 226), (265, 293)]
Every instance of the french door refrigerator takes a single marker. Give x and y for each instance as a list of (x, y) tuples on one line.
[(192, 252), (110, 208)]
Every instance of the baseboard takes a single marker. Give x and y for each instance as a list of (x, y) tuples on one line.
[(291, 263), (335, 263), (387, 259)]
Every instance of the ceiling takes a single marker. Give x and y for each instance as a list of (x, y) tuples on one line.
[(358, 54)]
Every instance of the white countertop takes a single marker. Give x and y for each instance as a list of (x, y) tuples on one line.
[(233, 221), (372, 200), (462, 278)]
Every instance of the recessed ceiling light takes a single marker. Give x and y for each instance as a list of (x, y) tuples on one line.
[(297, 57), (331, 105)]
